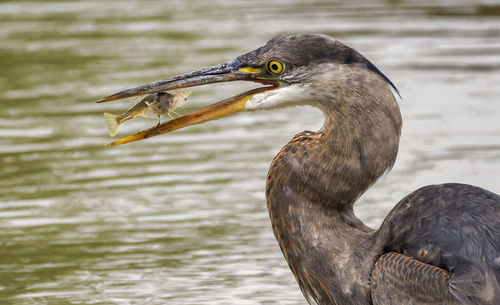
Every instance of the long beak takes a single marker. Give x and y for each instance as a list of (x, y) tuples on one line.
[(225, 72), (229, 71)]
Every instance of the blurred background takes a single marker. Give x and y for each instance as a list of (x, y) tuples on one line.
[(181, 218)]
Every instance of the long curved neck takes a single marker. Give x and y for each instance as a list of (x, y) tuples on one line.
[(311, 189)]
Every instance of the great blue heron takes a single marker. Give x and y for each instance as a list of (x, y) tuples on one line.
[(439, 245)]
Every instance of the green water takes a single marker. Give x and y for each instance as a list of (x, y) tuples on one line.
[(181, 218)]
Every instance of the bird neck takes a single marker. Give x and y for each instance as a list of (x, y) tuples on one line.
[(311, 188)]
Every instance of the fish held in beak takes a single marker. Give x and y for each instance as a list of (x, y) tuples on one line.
[(230, 71)]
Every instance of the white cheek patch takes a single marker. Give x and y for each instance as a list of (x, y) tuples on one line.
[(282, 97)]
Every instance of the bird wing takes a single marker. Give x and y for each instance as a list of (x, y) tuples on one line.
[(475, 284), (454, 228), (399, 279)]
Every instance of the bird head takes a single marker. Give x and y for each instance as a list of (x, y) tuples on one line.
[(302, 69)]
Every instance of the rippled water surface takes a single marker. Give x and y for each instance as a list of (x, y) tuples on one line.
[(181, 218)]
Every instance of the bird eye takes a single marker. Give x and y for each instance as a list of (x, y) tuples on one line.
[(274, 66)]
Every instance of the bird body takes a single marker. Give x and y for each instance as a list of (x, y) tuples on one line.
[(439, 245)]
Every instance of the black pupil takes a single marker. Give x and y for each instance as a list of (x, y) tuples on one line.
[(274, 67)]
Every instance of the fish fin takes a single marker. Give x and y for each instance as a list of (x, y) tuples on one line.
[(149, 113), (112, 123)]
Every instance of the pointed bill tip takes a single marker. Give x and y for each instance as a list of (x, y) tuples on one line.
[(113, 97), (135, 137)]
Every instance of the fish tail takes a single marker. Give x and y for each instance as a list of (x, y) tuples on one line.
[(112, 123)]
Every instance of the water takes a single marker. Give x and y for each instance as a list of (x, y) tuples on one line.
[(181, 218)]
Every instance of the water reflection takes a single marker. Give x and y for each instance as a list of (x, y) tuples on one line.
[(181, 219)]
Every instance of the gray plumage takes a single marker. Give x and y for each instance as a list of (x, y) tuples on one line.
[(316, 178)]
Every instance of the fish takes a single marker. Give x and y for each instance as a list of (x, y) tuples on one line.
[(149, 105)]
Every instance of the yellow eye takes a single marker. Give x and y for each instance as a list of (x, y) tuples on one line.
[(274, 66)]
